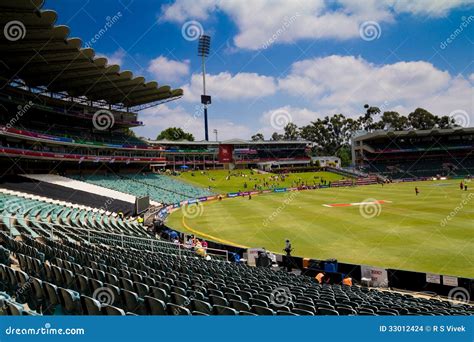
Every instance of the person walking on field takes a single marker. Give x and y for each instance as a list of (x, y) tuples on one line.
[(416, 191)]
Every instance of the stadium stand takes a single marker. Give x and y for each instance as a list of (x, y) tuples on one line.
[(39, 216), (63, 278), (58, 192), (416, 154), (66, 250), (159, 187)]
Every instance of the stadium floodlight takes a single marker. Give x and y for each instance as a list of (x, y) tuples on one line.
[(203, 52), (215, 132)]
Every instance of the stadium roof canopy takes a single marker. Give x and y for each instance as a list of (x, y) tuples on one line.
[(35, 50), (415, 133)]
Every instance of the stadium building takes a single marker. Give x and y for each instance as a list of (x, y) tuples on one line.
[(76, 237), (416, 153), (235, 153)]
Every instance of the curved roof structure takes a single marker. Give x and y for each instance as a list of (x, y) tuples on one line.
[(40, 53)]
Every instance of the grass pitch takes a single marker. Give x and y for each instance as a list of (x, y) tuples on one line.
[(219, 184), (431, 232)]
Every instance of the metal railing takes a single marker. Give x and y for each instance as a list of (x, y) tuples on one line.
[(62, 231)]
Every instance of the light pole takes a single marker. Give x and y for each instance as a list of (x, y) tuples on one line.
[(203, 52), (215, 132)]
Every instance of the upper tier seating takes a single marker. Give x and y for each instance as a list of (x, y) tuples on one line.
[(160, 188), (69, 222), (92, 279), (58, 192)]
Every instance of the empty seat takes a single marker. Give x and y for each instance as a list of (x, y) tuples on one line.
[(110, 310), (155, 306), (177, 310), (262, 310), (224, 310), (240, 305), (70, 301), (202, 306), (327, 312), (91, 306)]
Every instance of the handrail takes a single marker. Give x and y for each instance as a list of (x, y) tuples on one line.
[(94, 236)]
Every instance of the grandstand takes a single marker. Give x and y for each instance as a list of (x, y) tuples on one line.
[(416, 154), (235, 153), (65, 278), (160, 188), (72, 242)]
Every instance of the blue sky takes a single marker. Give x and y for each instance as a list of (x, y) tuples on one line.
[(274, 61)]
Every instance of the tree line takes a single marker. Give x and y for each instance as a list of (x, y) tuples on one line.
[(331, 135)]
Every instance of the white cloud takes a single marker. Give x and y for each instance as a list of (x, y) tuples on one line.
[(225, 86), (275, 119), (167, 70), (345, 83), (161, 117), (115, 58), (314, 19), (433, 8)]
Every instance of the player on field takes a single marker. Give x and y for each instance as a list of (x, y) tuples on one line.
[(416, 191)]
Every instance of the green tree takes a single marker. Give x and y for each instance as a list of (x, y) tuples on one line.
[(257, 137), (174, 133), (422, 119), (276, 136), (393, 120), (291, 132)]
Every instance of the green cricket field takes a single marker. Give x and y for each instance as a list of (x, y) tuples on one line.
[(387, 226)]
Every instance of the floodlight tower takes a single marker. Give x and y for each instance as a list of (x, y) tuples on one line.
[(203, 52)]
